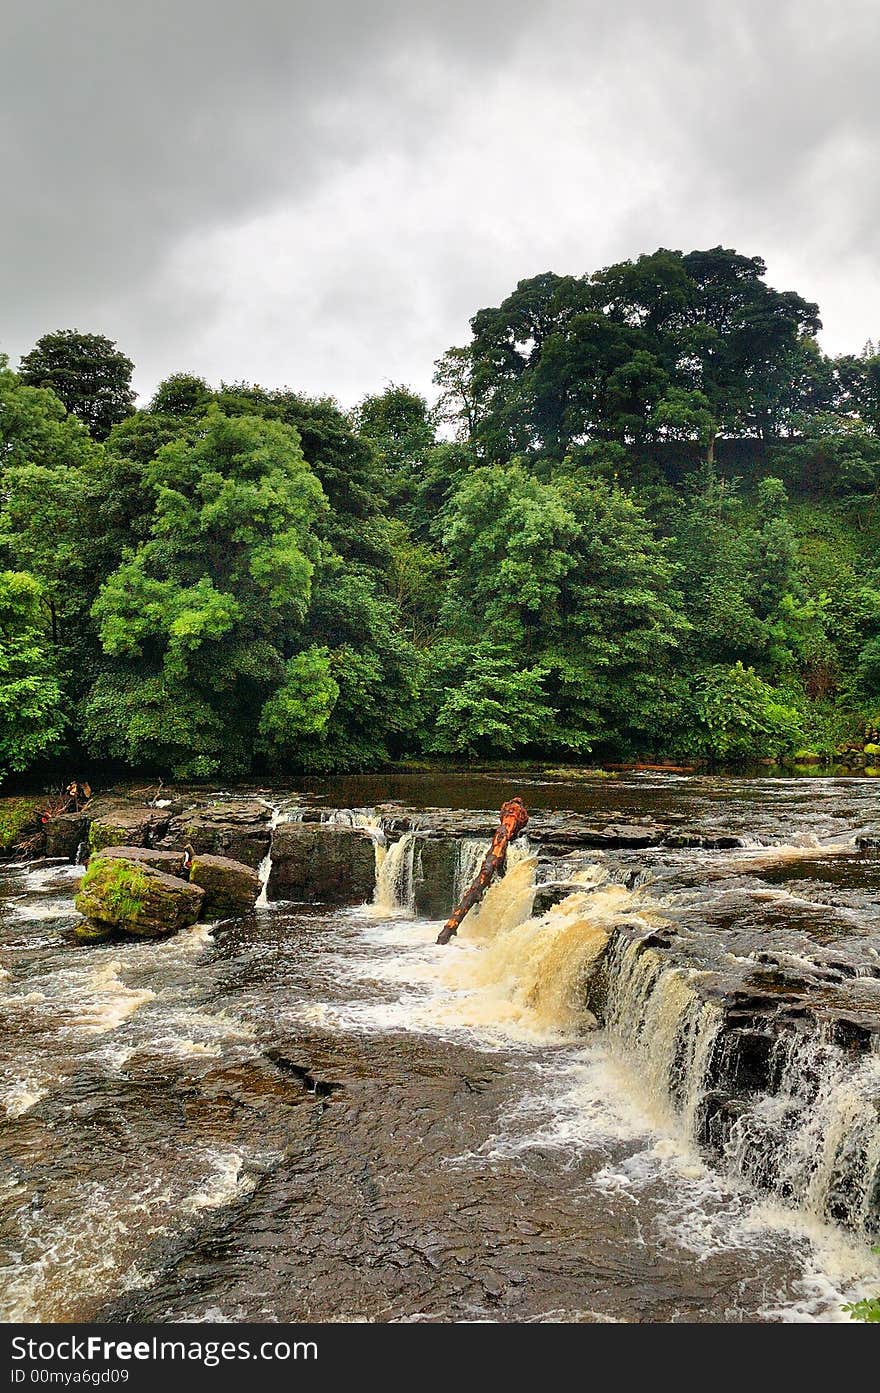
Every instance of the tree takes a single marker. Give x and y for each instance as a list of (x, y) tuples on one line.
[(32, 721), (49, 467), (399, 422), (685, 415), (457, 404), (34, 428), (400, 427), (565, 360), (416, 581), (489, 704), (833, 456), (345, 465), (88, 375), (741, 334), (181, 394), (859, 385), (301, 706), (714, 543), (566, 577), (202, 616), (373, 666)]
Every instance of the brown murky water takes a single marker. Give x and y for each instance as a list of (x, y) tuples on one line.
[(305, 1115)]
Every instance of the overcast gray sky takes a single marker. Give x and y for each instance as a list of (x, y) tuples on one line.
[(322, 194)]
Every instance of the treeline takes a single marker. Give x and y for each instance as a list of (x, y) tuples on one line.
[(641, 522)]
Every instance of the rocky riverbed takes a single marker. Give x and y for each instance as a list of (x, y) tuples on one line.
[(657, 1042)]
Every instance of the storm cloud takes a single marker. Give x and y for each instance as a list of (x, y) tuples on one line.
[(323, 194)]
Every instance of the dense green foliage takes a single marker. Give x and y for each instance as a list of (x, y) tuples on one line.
[(640, 522), (31, 718)]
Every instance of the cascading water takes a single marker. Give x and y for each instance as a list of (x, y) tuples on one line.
[(394, 875), (365, 819), (654, 1014), (815, 1140), (532, 973), (265, 868), (815, 1144), (470, 853), (395, 861)]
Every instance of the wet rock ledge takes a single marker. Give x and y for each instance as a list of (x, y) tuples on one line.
[(238, 825)]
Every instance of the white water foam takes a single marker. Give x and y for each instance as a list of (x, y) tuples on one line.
[(22, 1095), (264, 870)]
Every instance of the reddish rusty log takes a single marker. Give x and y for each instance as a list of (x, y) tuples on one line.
[(513, 819)]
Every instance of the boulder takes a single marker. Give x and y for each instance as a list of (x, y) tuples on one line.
[(230, 887), (66, 833), (238, 828), (124, 822), (323, 862), (132, 897), (171, 862)]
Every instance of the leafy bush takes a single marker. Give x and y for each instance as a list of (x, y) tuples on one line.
[(741, 716)]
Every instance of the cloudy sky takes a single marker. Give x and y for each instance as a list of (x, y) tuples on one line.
[(322, 194)]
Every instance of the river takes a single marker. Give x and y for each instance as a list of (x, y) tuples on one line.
[(320, 1115)]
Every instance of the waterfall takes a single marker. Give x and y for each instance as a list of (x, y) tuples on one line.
[(394, 864), (394, 874), (533, 972), (535, 975), (366, 820), (811, 1134), (664, 1026), (508, 901), (469, 856), (816, 1138), (805, 1126), (264, 870)]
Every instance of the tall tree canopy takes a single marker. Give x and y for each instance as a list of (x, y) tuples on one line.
[(87, 373), (568, 359)]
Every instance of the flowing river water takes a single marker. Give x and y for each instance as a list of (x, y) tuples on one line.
[(309, 1114)]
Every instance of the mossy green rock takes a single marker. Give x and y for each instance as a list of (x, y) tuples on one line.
[(124, 822), (103, 834), (87, 932), (230, 887), (136, 899), (18, 817)]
